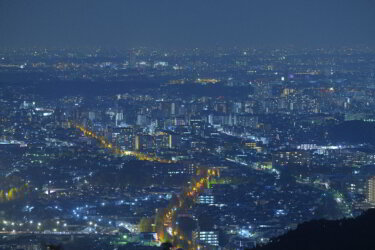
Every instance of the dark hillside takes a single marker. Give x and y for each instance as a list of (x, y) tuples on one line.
[(357, 233)]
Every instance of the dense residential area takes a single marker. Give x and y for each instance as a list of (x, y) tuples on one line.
[(203, 149)]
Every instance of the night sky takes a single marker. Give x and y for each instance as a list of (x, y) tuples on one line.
[(181, 23)]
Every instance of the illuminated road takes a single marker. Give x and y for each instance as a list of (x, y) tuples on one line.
[(104, 143), (183, 204), (184, 201)]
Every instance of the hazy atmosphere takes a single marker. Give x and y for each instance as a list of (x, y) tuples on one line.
[(180, 23)]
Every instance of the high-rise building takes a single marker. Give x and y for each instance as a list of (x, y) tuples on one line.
[(371, 190), (142, 120), (210, 238), (143, 142), (132, 60), (92, 115), (206, 199), (119, 117), (174, 140), (221, 107)]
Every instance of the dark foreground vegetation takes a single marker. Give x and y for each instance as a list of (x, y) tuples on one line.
[(356, 233)]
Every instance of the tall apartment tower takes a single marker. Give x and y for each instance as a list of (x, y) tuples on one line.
[(371, 190)]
